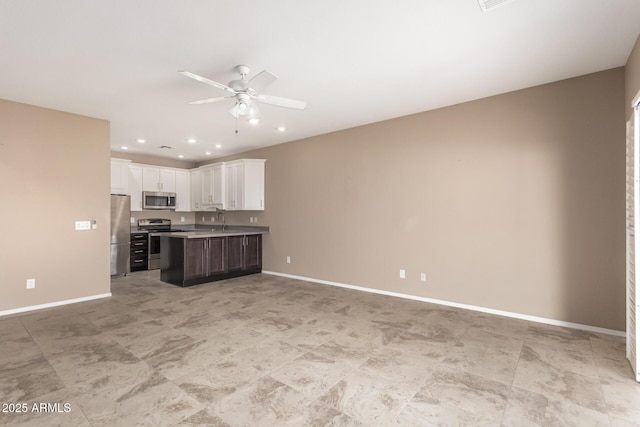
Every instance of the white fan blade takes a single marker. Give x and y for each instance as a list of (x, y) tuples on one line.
[(261, 81), (282, 102), (207, 81), (209, 100)]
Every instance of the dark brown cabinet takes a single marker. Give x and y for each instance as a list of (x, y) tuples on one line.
[(204, 257), (253, 252), (139, 252), (245, 253), (235, 253), (186, 262), (195, 258)]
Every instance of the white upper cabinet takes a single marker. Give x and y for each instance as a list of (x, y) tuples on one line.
[(120, 176), (213, 186), (234, 186), (196, 190), (135, 186), (158, 179), (183, 191), (245, 185)]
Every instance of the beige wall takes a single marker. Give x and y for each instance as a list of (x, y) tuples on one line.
[(514, 202), (54, 169), (632, 77)]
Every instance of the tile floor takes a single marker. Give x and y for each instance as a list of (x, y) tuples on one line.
[(264, 350)]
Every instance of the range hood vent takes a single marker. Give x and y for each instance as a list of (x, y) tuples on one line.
[(487, 5)]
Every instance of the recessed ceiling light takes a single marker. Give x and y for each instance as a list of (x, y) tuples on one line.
[(191, 140), (254, 121), (208, 153), (281, 128), (141, 141), (124, 147), (218, 146), (181, 155)]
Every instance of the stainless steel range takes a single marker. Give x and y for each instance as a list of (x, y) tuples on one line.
[(154, 226)]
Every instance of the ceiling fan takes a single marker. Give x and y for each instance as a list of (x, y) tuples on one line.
[(245, 92)]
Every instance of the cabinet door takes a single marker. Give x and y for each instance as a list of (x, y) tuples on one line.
[(216, 255), (183, 191), (245, 185), (234, 181), (196, 190), (253, 252), (235, 253), (218, 186), (150, 179), (120, 176), (253, 185), (168, 180), (135, 187), (207, 186), (195, 258)]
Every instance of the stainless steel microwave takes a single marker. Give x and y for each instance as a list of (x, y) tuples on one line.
[(158, 200)]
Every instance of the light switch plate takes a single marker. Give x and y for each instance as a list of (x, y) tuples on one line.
[(83, 225)]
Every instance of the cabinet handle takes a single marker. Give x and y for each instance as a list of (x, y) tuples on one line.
[(138, 260)]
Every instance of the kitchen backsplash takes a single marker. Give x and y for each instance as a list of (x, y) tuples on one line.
[(175, 217), (231, 218)]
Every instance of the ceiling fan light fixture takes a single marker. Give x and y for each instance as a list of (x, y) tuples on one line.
[(244, 109), (247, 93)]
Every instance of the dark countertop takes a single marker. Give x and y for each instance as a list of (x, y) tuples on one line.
[(199, 230)]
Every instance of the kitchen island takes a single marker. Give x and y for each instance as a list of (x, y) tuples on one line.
[(194, 257)]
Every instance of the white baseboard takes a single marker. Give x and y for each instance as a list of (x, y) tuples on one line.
[(52, 304), (458, 305)]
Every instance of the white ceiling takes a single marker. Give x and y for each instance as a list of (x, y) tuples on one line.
[(354, 62)]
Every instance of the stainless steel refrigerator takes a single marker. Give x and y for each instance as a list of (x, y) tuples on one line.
[(120, 234)]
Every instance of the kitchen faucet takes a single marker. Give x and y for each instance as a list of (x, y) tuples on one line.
[(224, 223)]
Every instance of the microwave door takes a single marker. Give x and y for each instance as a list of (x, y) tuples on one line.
[(158, 200)]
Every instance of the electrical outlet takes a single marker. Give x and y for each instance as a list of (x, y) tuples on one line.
[(181, 219), (202, 219), (31, 283), (213, 219), (255, 219), (423, 277), (288, 260), (402, 274), (251, 219)]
